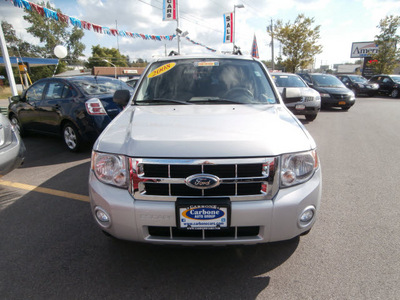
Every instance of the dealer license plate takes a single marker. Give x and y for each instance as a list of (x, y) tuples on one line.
[(195, 216), (300, 107), (342, 102)]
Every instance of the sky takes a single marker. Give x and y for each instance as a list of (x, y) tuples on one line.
[(342, 23)]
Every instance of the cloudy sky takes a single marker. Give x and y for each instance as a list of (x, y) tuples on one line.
[(342, 23)]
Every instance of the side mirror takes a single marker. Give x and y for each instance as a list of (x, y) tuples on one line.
[(122, 97), (290, 95), (16, 98)]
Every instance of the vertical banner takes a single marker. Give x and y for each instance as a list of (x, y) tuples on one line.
[(169, 10), (228, 28)]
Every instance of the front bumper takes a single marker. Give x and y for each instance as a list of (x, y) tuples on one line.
[(155, 221), (336, 101), (12, 155)]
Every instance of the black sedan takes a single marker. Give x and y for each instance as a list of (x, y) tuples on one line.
[(359, 85), (388, 84), (333, 92), (77, 108)]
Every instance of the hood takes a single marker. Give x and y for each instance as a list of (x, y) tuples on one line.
[(194, 131), (332, 90)]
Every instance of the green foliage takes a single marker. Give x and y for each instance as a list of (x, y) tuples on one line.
[(386, 60), (53, 33), (101, 54), (299, 42)]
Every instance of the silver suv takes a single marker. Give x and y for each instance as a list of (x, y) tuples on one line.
[(205, 153)]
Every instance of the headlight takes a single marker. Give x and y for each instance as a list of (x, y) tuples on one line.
[(325, 95), (110, 169), (297, 168), (361, 85)]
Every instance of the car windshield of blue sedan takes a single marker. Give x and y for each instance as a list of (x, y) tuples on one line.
[(327, 81), (205, 81), (100, 85)]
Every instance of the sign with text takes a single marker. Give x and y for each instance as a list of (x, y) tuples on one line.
[(363, 49), (169, 10), (228, 27)]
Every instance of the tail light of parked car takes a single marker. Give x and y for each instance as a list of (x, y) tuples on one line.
[(95, 107)]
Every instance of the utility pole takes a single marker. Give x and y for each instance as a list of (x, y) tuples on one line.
[(271, 30)]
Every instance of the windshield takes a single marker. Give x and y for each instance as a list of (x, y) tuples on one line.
[(100, 85), (205, 81), (327, 81), (358, 79), (396, 78), (288, 81)]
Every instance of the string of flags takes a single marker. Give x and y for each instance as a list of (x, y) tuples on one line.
[(58, 16)]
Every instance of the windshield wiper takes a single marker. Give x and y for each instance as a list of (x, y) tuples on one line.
[(216, 101), (161, 100)]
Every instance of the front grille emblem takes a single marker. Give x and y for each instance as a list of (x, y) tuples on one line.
[(202, 181)]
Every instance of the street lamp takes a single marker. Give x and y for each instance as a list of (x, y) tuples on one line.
[(234, 22), (115, 67)]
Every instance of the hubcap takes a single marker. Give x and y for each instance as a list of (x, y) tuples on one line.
[(70, 137)]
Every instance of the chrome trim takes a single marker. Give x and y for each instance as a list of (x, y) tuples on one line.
[(270, 178)]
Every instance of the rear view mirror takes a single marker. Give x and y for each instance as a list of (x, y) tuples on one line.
[(290, 95), (122, 97)]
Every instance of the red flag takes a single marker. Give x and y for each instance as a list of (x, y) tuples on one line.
[(254, 48)]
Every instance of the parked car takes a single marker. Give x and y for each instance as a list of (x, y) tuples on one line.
[(309, 104), (12, 148), (205, 152), (132, 82), (333, 92), (359, 85), (388, 84), (77, 108)]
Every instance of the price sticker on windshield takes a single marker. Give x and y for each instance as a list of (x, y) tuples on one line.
[(161, 70)]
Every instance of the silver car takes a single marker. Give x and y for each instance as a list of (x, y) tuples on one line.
[(12, 148), (205, 153), (309, 104)]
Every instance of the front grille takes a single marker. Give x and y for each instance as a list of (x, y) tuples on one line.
[(309, 99), (231, 233), (341, 96), (158, 179)]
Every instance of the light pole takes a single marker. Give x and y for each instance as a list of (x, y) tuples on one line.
[(234, 22), (115, 67)]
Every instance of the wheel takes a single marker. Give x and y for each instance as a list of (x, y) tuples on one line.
[(394, 93), (310, 117), (17, 125), (236, 92), (72, 138)]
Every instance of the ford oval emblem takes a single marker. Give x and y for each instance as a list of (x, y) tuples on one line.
[(202, 181)]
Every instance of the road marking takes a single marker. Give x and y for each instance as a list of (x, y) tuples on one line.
[(43, 190)]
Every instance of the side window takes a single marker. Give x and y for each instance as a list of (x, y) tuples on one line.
[(58, 90), (345, 79), (35, 92), (386, 80)]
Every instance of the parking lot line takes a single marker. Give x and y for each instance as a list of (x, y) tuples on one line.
[(43, 190)]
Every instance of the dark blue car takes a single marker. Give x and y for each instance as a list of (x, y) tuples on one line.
[(77, 108)]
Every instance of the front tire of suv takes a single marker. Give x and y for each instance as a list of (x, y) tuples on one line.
[(71, 137), (310, 117)]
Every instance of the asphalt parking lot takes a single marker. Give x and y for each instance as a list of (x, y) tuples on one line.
[(51, 248)]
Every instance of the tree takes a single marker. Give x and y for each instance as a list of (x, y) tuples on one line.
[(299, 42), (386, 60), (100, 56), (53, 33)]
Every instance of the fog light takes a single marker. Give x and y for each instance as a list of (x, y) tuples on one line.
[(102, 217), (306, 216)]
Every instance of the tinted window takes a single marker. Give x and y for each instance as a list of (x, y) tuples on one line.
[(206, 81), (327, 81), (288, 81), (57, 90), (99, 85), (358, 79), (396, 78), (35, 92)]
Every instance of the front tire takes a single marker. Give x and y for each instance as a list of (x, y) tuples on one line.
[(71, 137), (394, 93), (310, 117)]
